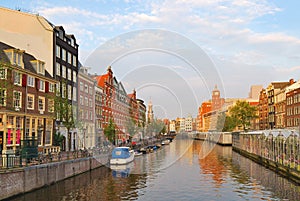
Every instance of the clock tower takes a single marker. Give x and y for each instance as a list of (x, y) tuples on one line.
[(216, 99)]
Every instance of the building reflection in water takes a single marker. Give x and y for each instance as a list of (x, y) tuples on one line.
[(221, 161), (259, 175)]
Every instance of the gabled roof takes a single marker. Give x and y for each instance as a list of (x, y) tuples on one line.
[(26, 59), (101, 79)]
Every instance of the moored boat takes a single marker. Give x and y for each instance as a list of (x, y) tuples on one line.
[(121, 155)]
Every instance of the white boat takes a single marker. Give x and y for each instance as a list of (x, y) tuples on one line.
[(165, 142), (121, 155)]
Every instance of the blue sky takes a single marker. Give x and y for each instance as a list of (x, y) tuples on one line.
[(250, 42)]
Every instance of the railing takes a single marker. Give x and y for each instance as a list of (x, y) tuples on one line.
[(13, 161)]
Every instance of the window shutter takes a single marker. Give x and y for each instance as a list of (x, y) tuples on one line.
[(24, 80), (37, 83), (46, 87)]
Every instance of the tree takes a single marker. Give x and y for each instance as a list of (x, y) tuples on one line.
[(220, 121), (242, 113), (132, 128), (229, 124), (64, 110), (58, 139), (110, 131)]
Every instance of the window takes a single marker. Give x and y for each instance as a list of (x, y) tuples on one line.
[(58, 89), (57, 51), (69, 74), (17, 99), (30, 81), (64, 71), (69, 58), (86, 89), (74, 76), (90, 103), (86, 101), (3, 73), (64, 55), (50, 105), (64, 90), (81, 86), (91, 91), (57, 68), (51, 87), (91, 116), (39, 66), (81, 100), (74, 60), (69, 92), (30, 101), (17, 78), (86, 114), (2, 97), (74, 94), (42, 85), (41, 103)]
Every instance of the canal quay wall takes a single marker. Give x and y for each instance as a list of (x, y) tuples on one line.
[(21, 180), (278, 150)]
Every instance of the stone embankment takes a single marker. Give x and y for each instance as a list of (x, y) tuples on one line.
[(21, 180)]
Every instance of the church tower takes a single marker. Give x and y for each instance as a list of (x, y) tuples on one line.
[(150, 112)]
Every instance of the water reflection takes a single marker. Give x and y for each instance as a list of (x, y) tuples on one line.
[(177, 172)]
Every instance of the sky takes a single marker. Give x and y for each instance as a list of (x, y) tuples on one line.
[(174, 52)]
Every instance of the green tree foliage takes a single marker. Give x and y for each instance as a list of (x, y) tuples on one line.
[(155, 126), (58, 139), (132, 128), (220, 121), (110, 131), (242, 113), (229, 124)]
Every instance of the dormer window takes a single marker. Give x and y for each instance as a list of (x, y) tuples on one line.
[(15, 57), (39, 66)]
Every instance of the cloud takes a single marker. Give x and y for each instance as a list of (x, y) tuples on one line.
[(289, 70)]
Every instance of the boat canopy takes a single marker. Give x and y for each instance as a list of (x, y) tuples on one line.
[(120, 152)]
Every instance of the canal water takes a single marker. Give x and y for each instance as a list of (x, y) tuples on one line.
[(183, 170)]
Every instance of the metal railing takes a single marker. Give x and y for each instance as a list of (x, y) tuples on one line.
[(14, 161)]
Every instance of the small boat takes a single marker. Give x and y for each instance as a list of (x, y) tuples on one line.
[(137, 153), (165, 142), (121, 155)]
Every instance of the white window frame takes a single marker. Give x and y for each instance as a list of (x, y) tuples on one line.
[(58, 69), (57, 51), (69, 58), (16, 80), (69, 92), (70, 74), (41, 103), (74, 77), (30, 81), (30, 101), (51, 87), (17, 103), (64, 71), (42, 86)]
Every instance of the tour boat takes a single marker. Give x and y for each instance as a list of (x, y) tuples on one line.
[(121, 155)]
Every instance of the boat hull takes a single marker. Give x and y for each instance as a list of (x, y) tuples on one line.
[(121, 161)]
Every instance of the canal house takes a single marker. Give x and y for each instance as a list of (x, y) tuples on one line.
[(26, 100)]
